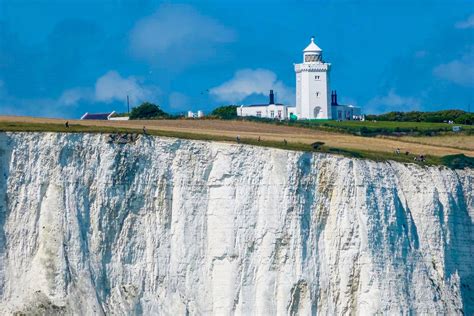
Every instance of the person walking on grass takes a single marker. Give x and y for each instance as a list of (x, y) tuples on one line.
[(144, 130), (238, 139), (67, 124)]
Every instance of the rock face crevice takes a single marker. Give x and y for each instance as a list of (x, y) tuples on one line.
[(167, 226)]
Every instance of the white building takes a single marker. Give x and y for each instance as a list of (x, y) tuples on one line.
[(341, 112), (312, 85), (312, 94), (111, 116), (198, 114), (271, 110)]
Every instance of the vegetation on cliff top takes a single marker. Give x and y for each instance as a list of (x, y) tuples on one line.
[(452, 161), (147, 111), (373, 128), (226, 112), (457, 116)]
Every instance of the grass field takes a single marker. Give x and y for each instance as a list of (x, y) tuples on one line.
[(271, 135), (422, 126), (372, 128), (453, 141)]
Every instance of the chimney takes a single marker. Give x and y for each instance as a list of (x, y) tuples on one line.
[(272, 97), (335, 97)]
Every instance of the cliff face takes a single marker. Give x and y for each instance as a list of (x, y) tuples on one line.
[(174, 227)]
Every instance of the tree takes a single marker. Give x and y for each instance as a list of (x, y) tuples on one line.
[(147, 110), (466, 118), (458, 116), (226, 112)]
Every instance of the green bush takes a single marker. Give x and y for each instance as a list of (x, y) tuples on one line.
[(147, 111), (467, 119), (226, 112), (458, 116)]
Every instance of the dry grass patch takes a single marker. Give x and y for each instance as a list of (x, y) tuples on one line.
[(453, 141), (220, 129)]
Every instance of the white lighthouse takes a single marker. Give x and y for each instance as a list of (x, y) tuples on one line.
[(314, 101), (312, 85)]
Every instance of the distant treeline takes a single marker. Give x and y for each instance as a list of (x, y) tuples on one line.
[(457, 116)]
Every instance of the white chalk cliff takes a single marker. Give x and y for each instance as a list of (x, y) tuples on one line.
[(177, 227)]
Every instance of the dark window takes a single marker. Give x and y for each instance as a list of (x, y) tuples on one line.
[(310, 58)]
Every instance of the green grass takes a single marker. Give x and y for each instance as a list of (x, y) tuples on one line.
[(423, 126), (370, 128), (456, 161)]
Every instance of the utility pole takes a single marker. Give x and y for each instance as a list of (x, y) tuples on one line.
[(128, 105)]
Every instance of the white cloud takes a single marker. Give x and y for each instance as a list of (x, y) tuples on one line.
[(247, 82), (460, 71), (44, 107), (466, 24), (177, 33), (108, 88), (72, 96), (41, 107), (111, 87), (391, 102)]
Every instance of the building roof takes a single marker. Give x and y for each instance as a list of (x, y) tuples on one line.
[(96, 116), (256, 105), (312, 47), (347, 106)]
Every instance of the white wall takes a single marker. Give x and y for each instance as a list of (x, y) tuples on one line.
[(119, 118), (198, 114), (345, 112), (265, 111), (312, 92)]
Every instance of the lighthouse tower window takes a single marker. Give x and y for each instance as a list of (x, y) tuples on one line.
[(310, 58)]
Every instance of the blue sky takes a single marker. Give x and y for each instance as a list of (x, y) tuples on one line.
[(63, 58)]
